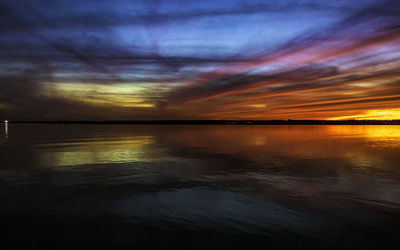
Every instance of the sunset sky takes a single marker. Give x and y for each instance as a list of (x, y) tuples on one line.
[(225, 59)]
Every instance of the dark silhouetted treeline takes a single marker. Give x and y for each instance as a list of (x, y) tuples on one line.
[(228, 122)]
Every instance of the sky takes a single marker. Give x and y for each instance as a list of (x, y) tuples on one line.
[(219, 59)]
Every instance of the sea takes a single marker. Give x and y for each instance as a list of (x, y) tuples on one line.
[(91, 186)]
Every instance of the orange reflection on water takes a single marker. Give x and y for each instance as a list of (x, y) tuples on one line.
[(358, 146), (264, 145), (373, 132)]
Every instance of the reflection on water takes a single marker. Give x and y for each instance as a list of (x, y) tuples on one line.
[(92, 152), (5, 129), (314, 183), (372, 132)]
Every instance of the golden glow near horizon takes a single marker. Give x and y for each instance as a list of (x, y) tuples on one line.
[(120, 95), (388, 114)]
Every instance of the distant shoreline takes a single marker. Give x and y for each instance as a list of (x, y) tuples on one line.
[(226, 122)]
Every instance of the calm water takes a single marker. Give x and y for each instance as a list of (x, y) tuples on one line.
[(199, 186)]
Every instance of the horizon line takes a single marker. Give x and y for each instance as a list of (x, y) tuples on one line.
[(218, 122)]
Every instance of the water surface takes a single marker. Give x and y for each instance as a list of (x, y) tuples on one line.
[(200, 186)]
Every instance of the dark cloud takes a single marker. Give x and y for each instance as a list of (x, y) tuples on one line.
[(150, 13), (52, 42), (368, 29)]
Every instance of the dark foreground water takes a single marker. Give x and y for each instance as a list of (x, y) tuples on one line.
[(94, 186)]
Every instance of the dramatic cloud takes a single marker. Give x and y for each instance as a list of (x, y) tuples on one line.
[(103, 60)]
